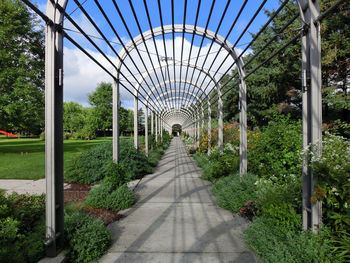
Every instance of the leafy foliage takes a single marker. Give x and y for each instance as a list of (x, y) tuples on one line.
[(276, 243), (21, 69), (134, 160), (277, 150), (90, 167), (101, 100), (112, 193), (88, 239), (332, 169), (22, 228), (233, 192)]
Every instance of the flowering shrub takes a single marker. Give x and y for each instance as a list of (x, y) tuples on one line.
[(332, 170)]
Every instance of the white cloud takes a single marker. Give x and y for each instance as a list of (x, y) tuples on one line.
[(82, 75)]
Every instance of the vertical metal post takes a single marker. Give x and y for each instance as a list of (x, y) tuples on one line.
[(220, 121), (161, 129), (146, 129), (198, 129), (156, 119), (116, 107), (152, 122), (312, 110), (54, 137), (136, 132), (209, 127), (202, 118), (194, 127), (243, 127)]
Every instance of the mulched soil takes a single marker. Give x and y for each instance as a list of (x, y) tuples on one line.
[(107, 216), (76, 193)]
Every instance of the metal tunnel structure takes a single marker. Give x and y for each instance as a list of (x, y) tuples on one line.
[(172, 62)]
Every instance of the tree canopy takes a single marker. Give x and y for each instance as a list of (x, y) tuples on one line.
[(276, 86), (21, 69)]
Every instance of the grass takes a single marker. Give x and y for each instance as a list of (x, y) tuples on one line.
[(25, 158)]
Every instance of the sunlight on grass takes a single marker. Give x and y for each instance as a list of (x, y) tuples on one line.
[(25, 158)]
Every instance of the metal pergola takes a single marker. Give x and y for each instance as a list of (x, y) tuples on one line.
[(173, 62)]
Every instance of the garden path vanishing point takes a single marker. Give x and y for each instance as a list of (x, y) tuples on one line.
[(176, 219)]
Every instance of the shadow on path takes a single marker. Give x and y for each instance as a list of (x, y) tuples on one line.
[(176, 219)]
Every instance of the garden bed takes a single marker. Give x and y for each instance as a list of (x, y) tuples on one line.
[(77, 193)]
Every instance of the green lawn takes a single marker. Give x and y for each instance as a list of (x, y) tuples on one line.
[(25, 158)]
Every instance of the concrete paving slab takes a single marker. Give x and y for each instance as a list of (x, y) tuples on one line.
[(176, 219), (179, 257), (23, 186), (36, 187)]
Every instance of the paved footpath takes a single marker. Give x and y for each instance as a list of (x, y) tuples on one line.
[(176, 219)]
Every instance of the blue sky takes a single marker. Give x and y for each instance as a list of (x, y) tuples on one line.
[(82, 75)]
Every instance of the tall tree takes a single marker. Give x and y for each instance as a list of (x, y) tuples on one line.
[(21, 69), (73, 116), (276, 86), (335, 35), (101, 100)]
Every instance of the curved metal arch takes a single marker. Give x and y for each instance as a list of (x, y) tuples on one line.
[(179, 118), (182, 98), (170, 63), (168, 81), (188, 113), (217, 86), (176, 115), (164, 83), (177, 28), (179, 91)]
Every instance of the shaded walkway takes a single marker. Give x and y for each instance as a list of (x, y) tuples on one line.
[(176, 219)]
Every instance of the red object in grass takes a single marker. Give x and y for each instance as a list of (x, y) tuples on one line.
[(9, 134)]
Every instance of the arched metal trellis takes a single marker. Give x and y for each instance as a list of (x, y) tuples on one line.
[(174, 90)]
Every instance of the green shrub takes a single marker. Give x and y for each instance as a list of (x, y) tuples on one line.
[(201, 159), (67, 135), (232, 192), (115, 175), (277, 243), (88, 239), (90, 166), (134, 160), (9, 235), (121, 198), (153, 157), (8, 230), (281, 201), (219, 164), (98, 196), (277, 150), (22, 227), (284, 214), (86, 133), (33, 243), (42, 136), (112, 193), (27, 209), (104, 196), (340, 242)]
